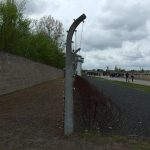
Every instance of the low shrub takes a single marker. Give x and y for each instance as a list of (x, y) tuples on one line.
[(93, 109)]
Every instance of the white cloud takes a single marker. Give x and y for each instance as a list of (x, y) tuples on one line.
[(115, 32)]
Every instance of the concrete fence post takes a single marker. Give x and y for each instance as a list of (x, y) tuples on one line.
[(68, 114)]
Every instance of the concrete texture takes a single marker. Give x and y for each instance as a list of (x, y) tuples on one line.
[(18, 73)]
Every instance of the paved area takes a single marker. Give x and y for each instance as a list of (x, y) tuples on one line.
[(142, 82), (134, 105)]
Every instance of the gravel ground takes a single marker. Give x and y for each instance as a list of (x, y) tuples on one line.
[(134, 105), (32, 119)]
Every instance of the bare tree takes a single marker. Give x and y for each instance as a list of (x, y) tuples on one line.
[(52, 28)]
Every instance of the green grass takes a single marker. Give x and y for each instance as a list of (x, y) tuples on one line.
[(144, 88), (134, 144), (133, 86)]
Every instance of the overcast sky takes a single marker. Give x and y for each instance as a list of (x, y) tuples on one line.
[(115, 32)]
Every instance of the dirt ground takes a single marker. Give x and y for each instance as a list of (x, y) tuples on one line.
[(32, 119)]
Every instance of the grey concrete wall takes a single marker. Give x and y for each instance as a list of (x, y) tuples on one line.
[(18, 73)]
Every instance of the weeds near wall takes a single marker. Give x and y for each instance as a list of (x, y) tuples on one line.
[(93, 110)]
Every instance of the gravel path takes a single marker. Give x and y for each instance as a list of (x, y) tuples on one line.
[(32, 119), (134, 105)]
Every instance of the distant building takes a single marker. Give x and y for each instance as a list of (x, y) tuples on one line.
[(93, 72)]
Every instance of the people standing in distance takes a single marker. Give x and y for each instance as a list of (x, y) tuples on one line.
[(132, 77), (127, 77)]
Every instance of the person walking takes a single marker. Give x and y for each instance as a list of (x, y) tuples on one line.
[(127, 77), (132, 77)]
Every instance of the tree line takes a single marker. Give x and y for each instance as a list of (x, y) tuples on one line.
[(40, 40)]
